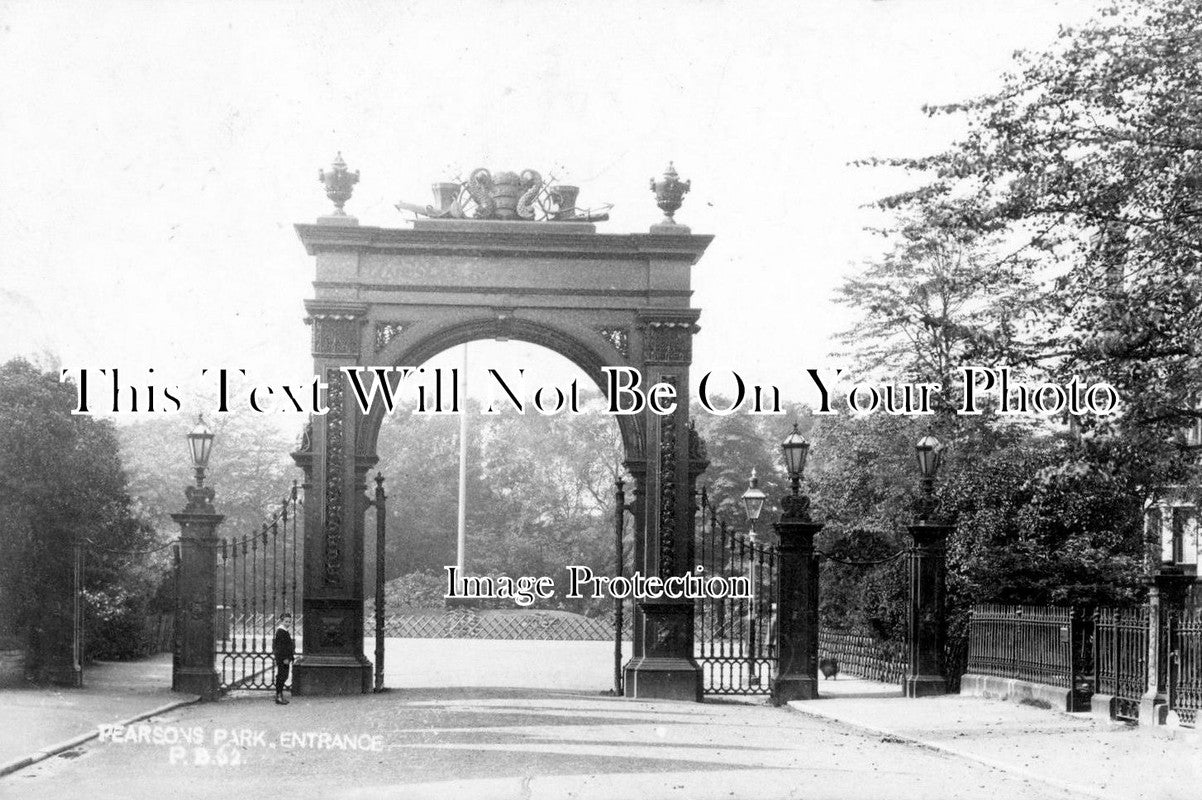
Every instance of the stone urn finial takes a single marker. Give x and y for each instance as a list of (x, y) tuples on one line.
[(339, 182), (669, 193)]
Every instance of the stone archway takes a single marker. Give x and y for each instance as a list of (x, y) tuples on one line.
[(397, 296)]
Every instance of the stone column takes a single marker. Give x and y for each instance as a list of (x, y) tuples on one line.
[(927, 618), (663, 665), (1166, 593), (332, 659), (797, 613), (193, 669)]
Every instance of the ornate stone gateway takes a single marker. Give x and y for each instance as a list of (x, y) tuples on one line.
[(500, 256)]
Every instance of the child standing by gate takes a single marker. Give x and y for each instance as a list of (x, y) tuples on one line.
[(283, 650)]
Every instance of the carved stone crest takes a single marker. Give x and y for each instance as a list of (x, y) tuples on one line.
[(509, 196)]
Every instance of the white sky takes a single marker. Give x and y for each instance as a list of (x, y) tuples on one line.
[(158, 154)]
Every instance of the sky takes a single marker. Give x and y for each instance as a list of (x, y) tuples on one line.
[(159, 153)]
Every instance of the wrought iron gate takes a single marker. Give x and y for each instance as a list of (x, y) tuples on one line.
[(258, 579), (1121, 658), (735, 638), (1185, 663)]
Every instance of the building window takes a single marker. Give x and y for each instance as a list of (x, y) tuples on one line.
[(1193, 431), (1178, 546)]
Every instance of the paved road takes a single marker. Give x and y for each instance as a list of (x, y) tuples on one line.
[(482, 743)]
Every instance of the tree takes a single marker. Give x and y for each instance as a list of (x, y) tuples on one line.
[(62, 486), (1088, 157), (939, 300), (738, 443), (539, 492), (250, 468)]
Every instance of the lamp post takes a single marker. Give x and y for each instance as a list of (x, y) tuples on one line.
[(200, 443), (753, 504), (928, 581), (193, 669), (797, 631)]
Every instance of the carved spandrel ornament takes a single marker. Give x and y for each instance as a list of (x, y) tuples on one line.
[(386, 332), (618, 338)]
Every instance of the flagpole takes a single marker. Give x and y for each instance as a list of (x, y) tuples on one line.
[(461, 542)]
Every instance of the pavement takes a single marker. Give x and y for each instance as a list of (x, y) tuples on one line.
[(860, 740), (38, 719), (1084, 754)]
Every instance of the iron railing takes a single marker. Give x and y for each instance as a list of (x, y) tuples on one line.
[(1120, 648), (1185, 664), (1032, 643)]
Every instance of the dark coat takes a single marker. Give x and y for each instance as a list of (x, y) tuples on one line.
[(282, 647)]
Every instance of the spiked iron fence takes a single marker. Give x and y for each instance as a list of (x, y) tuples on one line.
[(1185, 664), (257, 581), (1104, 651), (1033, 643), (1121, 658), (735, 640)]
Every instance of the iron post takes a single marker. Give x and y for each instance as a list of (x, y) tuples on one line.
[(927, 564), (379, 504), (619, 559), (797, 631)]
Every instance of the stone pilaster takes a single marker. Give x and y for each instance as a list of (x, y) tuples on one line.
[(663, 666), (1167, 588), (333, 661)]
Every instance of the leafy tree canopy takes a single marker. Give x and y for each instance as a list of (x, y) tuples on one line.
[(61, 486), (1087, 159)]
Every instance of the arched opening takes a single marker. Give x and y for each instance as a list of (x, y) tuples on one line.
[(568, 344), (539, 497)]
